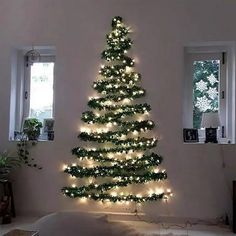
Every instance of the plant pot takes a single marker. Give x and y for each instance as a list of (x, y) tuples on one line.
[(33, 137)]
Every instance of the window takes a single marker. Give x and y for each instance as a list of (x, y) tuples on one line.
[(39, 89), (209, 88), (32, 94)]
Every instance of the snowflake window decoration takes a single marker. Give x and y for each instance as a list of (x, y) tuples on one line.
[(201, 86), (203, 103), (212, 92), (212, 79)]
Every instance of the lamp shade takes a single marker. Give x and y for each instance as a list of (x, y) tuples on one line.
[(210, 120)]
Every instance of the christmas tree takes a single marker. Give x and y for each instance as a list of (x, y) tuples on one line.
[(117, 127)]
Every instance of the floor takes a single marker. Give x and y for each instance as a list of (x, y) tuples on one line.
[(179, 230), (17, 223), (149, 229)]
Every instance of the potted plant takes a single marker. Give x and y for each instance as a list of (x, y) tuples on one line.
[(7, 163), (32, 128)]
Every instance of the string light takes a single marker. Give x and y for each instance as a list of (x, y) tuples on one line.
[(121, 128)]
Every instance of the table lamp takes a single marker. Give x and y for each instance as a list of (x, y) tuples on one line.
[(211, 122)]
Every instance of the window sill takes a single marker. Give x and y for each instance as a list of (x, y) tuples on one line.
[(220, 142), (42, 138)]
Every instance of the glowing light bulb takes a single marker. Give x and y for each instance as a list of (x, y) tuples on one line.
[(109, 124), (135, 132), (159, 190), (114, 194), (126, 101), (150, 192), (83, 200), (64, 167)]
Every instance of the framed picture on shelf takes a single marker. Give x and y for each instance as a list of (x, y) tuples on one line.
[(190, 135), (48, 125)]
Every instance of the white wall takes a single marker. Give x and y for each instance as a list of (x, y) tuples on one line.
[(161, 29)]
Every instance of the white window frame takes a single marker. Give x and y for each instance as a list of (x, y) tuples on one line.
[(20, 83), (225, 53)]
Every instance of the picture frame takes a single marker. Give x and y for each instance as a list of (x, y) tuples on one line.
[(48, 128), (190, 135), (211, 135), (48, 125)]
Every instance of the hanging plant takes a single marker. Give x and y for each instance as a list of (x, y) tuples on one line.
[(29, 138)]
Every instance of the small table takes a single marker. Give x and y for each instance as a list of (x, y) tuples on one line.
[(19, 232), (7, 191)]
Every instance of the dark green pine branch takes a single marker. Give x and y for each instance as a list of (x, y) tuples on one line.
[(152, 159), (123, 111)]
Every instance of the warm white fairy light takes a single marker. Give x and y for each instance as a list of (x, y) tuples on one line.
[(128, 69), (139, 154), (126, 101), (123, 77), (150, 192), (135, 132), (159, 190), (64, 167), (83, 200), (109, 125), (113, 194)]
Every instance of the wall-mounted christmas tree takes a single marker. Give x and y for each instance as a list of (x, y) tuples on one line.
[(117, 128)]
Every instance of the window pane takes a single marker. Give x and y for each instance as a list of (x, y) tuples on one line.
[(41, 90), (205, 89)]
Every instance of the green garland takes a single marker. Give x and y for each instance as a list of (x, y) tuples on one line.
[(90, 117), (127, 127), (127, 93), (132, 109), (130, 78), (103, 196), (115, 155), (123, 172), (131, 147), (127, 89), (151, 159)]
